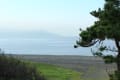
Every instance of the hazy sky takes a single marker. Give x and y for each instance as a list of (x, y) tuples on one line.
[(63, 17)]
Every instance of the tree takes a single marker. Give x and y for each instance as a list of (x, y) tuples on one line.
[(106, 27)]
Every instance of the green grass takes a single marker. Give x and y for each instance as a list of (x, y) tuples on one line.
[(52, 72)]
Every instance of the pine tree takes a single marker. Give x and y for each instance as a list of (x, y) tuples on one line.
[(106, 27)]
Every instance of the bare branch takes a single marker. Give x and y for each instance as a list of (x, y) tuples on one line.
[(89, 44), (112, 50)]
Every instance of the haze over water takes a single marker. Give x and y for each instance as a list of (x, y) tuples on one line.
[(43, 44)]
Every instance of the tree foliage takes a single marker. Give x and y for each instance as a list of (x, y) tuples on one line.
[(107, 26)]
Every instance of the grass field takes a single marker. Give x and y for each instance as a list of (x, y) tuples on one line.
[(52, 72), (92, 68)]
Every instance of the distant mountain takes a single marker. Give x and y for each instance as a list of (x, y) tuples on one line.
[(32, 35)]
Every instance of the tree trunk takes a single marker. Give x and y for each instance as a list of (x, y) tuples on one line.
[(117, 73), (118, 61)]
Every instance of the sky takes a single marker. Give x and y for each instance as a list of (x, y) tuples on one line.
[(63, 17)]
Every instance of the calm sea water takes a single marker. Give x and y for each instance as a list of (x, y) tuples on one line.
[(42, 47)]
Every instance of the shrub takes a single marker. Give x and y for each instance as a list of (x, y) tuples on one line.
[(14, 69)]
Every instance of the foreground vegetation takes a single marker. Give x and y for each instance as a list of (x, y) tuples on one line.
[(14, 69), (52, 72)]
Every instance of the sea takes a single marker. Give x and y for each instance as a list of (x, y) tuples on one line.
[(42, 46)]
